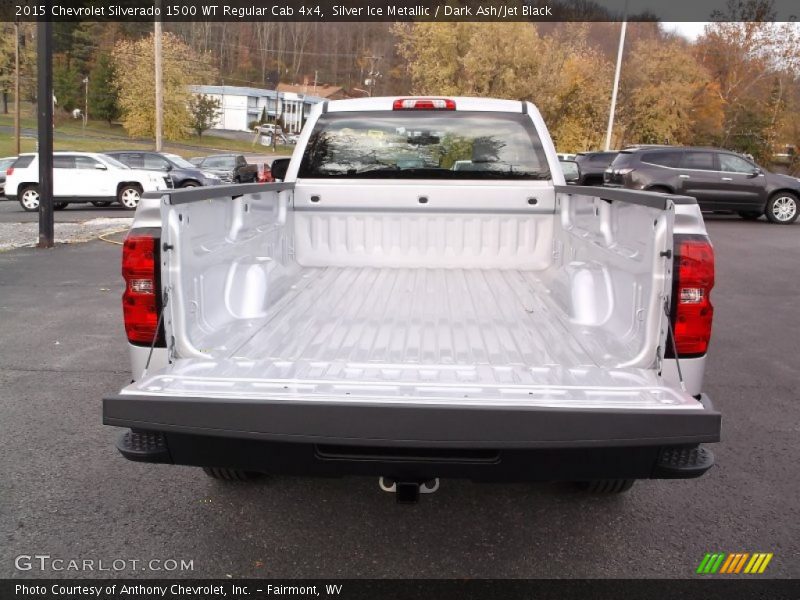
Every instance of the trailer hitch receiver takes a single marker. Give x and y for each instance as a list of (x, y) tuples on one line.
[(407, 492)]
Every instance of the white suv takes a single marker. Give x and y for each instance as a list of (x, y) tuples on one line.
[(81, 177)]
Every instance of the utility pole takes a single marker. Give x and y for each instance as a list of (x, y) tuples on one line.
[(44, 109), (374, 74), (16, 88), (159, 90), (85, 101), (278, 111), (616, 78)]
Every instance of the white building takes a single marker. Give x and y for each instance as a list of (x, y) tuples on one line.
[(240, 106)]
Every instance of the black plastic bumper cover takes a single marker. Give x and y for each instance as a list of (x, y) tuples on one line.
[(499, 443)]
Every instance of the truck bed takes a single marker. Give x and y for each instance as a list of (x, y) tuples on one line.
[(427, 319), (436, 335), (269, 307)]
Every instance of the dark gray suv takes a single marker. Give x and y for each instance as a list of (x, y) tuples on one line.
[(720, 180), (593, 166), (182, 172)]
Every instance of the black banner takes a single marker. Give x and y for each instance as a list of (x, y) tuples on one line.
[(397, 10), (730, 588)]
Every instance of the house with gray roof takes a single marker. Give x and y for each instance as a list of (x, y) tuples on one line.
[(240, 106)]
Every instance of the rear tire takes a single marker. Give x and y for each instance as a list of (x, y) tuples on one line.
[(59, 205), (129, 196), (190, 184), (607, 486), (225, 474), (750, 215), (29, 198), (100, 204), (782, 208)]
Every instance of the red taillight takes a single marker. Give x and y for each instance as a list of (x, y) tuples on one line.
[(265, 174), (693, 313), (424, 104), (140, 300), (9, 171)]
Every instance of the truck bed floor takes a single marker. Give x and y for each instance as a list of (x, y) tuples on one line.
[(422, 317), (437, 335)]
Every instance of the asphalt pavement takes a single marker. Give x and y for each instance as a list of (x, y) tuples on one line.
[(66, 492), (11, 212)]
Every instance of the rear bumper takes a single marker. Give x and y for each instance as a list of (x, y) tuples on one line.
[(413, 425), (421, 464), (505, 443)]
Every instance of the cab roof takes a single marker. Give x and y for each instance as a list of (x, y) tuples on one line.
[(385, 103)]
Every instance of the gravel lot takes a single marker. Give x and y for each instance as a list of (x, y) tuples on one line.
[(76, 223), (20, 235)]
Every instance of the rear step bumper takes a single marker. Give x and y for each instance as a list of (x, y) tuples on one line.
[(413, 425), (396, 440), (420, 464)]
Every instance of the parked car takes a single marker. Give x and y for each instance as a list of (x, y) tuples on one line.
[(593, 165), (566, 156), (5, 163), (720, 180), (283, 137), (571, 170), (269, 129), (372, 316), (278, 168), (265, 174), (230, 168), (82, 177), (785, 156), (183, 173)]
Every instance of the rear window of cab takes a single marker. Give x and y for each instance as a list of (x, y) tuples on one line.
[(424, 145)]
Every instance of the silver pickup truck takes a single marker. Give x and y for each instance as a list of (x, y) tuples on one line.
[(422, 296)]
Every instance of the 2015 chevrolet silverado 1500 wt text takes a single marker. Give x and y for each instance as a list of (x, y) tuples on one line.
[(420, 297)]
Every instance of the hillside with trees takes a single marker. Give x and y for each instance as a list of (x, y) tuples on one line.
[(736, 86)]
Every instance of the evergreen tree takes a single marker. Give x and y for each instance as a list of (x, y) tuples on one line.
[(67, 86), (83, 48), (103, 101)]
